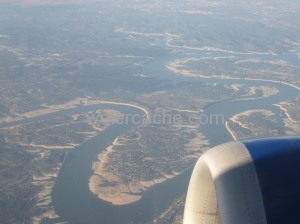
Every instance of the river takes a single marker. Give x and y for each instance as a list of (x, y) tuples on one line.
[(72, 199), (75, 203)]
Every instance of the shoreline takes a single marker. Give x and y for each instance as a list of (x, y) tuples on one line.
[(50, 109), (214, 49), (122, 192), (172, 67), (117, 189), (88, 102), (285, 112), (240, 120), (230, 131)]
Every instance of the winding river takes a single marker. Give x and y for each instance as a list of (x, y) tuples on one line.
[(72, 199), (74, 202)]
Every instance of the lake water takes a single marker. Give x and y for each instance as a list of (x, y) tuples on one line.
[(72, 199), (75, 203)]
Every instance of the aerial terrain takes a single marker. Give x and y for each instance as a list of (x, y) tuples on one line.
[(105, 106)]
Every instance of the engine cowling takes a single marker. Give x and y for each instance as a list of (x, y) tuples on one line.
[(251, 182)]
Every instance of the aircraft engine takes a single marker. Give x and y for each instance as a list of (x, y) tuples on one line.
[(251, 182)]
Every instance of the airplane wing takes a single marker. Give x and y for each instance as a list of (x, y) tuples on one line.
[(251, 182)]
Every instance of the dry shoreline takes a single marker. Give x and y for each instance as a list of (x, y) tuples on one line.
[(49, 109), (230, 131), (119, 190), (173, 66), (88, 101)]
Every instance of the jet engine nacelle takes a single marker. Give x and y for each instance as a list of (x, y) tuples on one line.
[(251, 182)]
